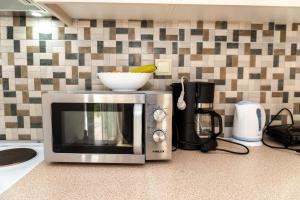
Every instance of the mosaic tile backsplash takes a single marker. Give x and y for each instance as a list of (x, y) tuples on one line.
[(247, 61)]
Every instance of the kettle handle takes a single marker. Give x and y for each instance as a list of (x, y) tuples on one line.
[(261, 117), (216, 115)]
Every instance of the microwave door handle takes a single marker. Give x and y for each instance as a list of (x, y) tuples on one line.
[(85, 121), (137, 128)]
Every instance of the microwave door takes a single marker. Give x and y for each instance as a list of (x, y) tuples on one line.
[(108, 128)]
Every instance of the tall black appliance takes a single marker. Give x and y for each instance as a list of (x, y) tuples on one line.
[(195, 125)]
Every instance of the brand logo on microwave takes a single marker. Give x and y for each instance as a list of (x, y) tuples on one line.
[(158, 151)]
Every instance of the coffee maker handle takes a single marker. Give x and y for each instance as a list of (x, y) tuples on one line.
[(218, 116)]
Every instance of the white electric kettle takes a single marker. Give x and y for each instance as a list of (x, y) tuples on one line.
[(249, 121)]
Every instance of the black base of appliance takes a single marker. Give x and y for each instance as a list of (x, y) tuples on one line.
[(192, 146), (285, 134)]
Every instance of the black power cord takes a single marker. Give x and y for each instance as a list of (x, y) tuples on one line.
[(265, 130), (234, 152)]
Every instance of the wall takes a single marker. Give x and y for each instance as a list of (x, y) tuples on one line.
[(257, 62)]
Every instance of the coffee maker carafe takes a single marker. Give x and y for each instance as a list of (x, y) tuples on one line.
[(196, 122)]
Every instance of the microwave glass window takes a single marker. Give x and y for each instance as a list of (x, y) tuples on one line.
[(92, 128)]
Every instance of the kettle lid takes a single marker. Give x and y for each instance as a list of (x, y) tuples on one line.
[(247, 103)]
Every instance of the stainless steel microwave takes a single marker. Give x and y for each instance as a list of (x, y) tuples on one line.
[(107, 127)]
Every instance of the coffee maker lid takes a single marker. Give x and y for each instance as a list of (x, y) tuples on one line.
[(203, 91)]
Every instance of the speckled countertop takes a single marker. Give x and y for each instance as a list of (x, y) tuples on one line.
[(263, 174)]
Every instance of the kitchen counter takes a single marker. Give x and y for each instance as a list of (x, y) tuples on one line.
[(263, 174)]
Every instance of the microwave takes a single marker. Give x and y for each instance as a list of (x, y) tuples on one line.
[(107, 127)]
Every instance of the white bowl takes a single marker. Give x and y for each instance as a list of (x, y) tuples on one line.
[(124, 81)]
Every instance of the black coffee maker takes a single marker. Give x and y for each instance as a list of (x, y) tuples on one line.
[(194, 121)]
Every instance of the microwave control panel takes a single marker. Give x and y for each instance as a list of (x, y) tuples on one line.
[(158, 125)]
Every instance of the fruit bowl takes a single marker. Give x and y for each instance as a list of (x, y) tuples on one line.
[(124, 81)]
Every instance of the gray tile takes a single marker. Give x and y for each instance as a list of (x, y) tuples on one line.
[(297, 94), (72, 81), (45, 62), (9, 93), (45, 36), (121, 30), (280, 27), (255, 51), (199, 47), (42, 46), (180, 60), (70, 36), (275, 61), (20, 120), (199, 73), (29, 58), (270, 49), (134, 44), (10, 32), (109, 23), (147, 24), (159, 50), (240, 73), (5, 83), (18, 72), (100, 46), (294, 49), (13, 109), (196, 31), (285, 97), (181, 34), (229, 61), (35, 100), (81, 59), (71, 56), (217, 48), (93, 23), (146, 37), (88, 84), (220, 38), (236, 35), (174, 48), (254, 76), (119, 47), (253, 35), (46, 81), (59, 75), (232, 45), (221, 25), (219, 82), (271, 26), (280, 85), (134, 60), (16, 45), (22, 21), (162, 34)]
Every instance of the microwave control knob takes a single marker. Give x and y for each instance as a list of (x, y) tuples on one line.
[(159, 136), (159, 115)]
